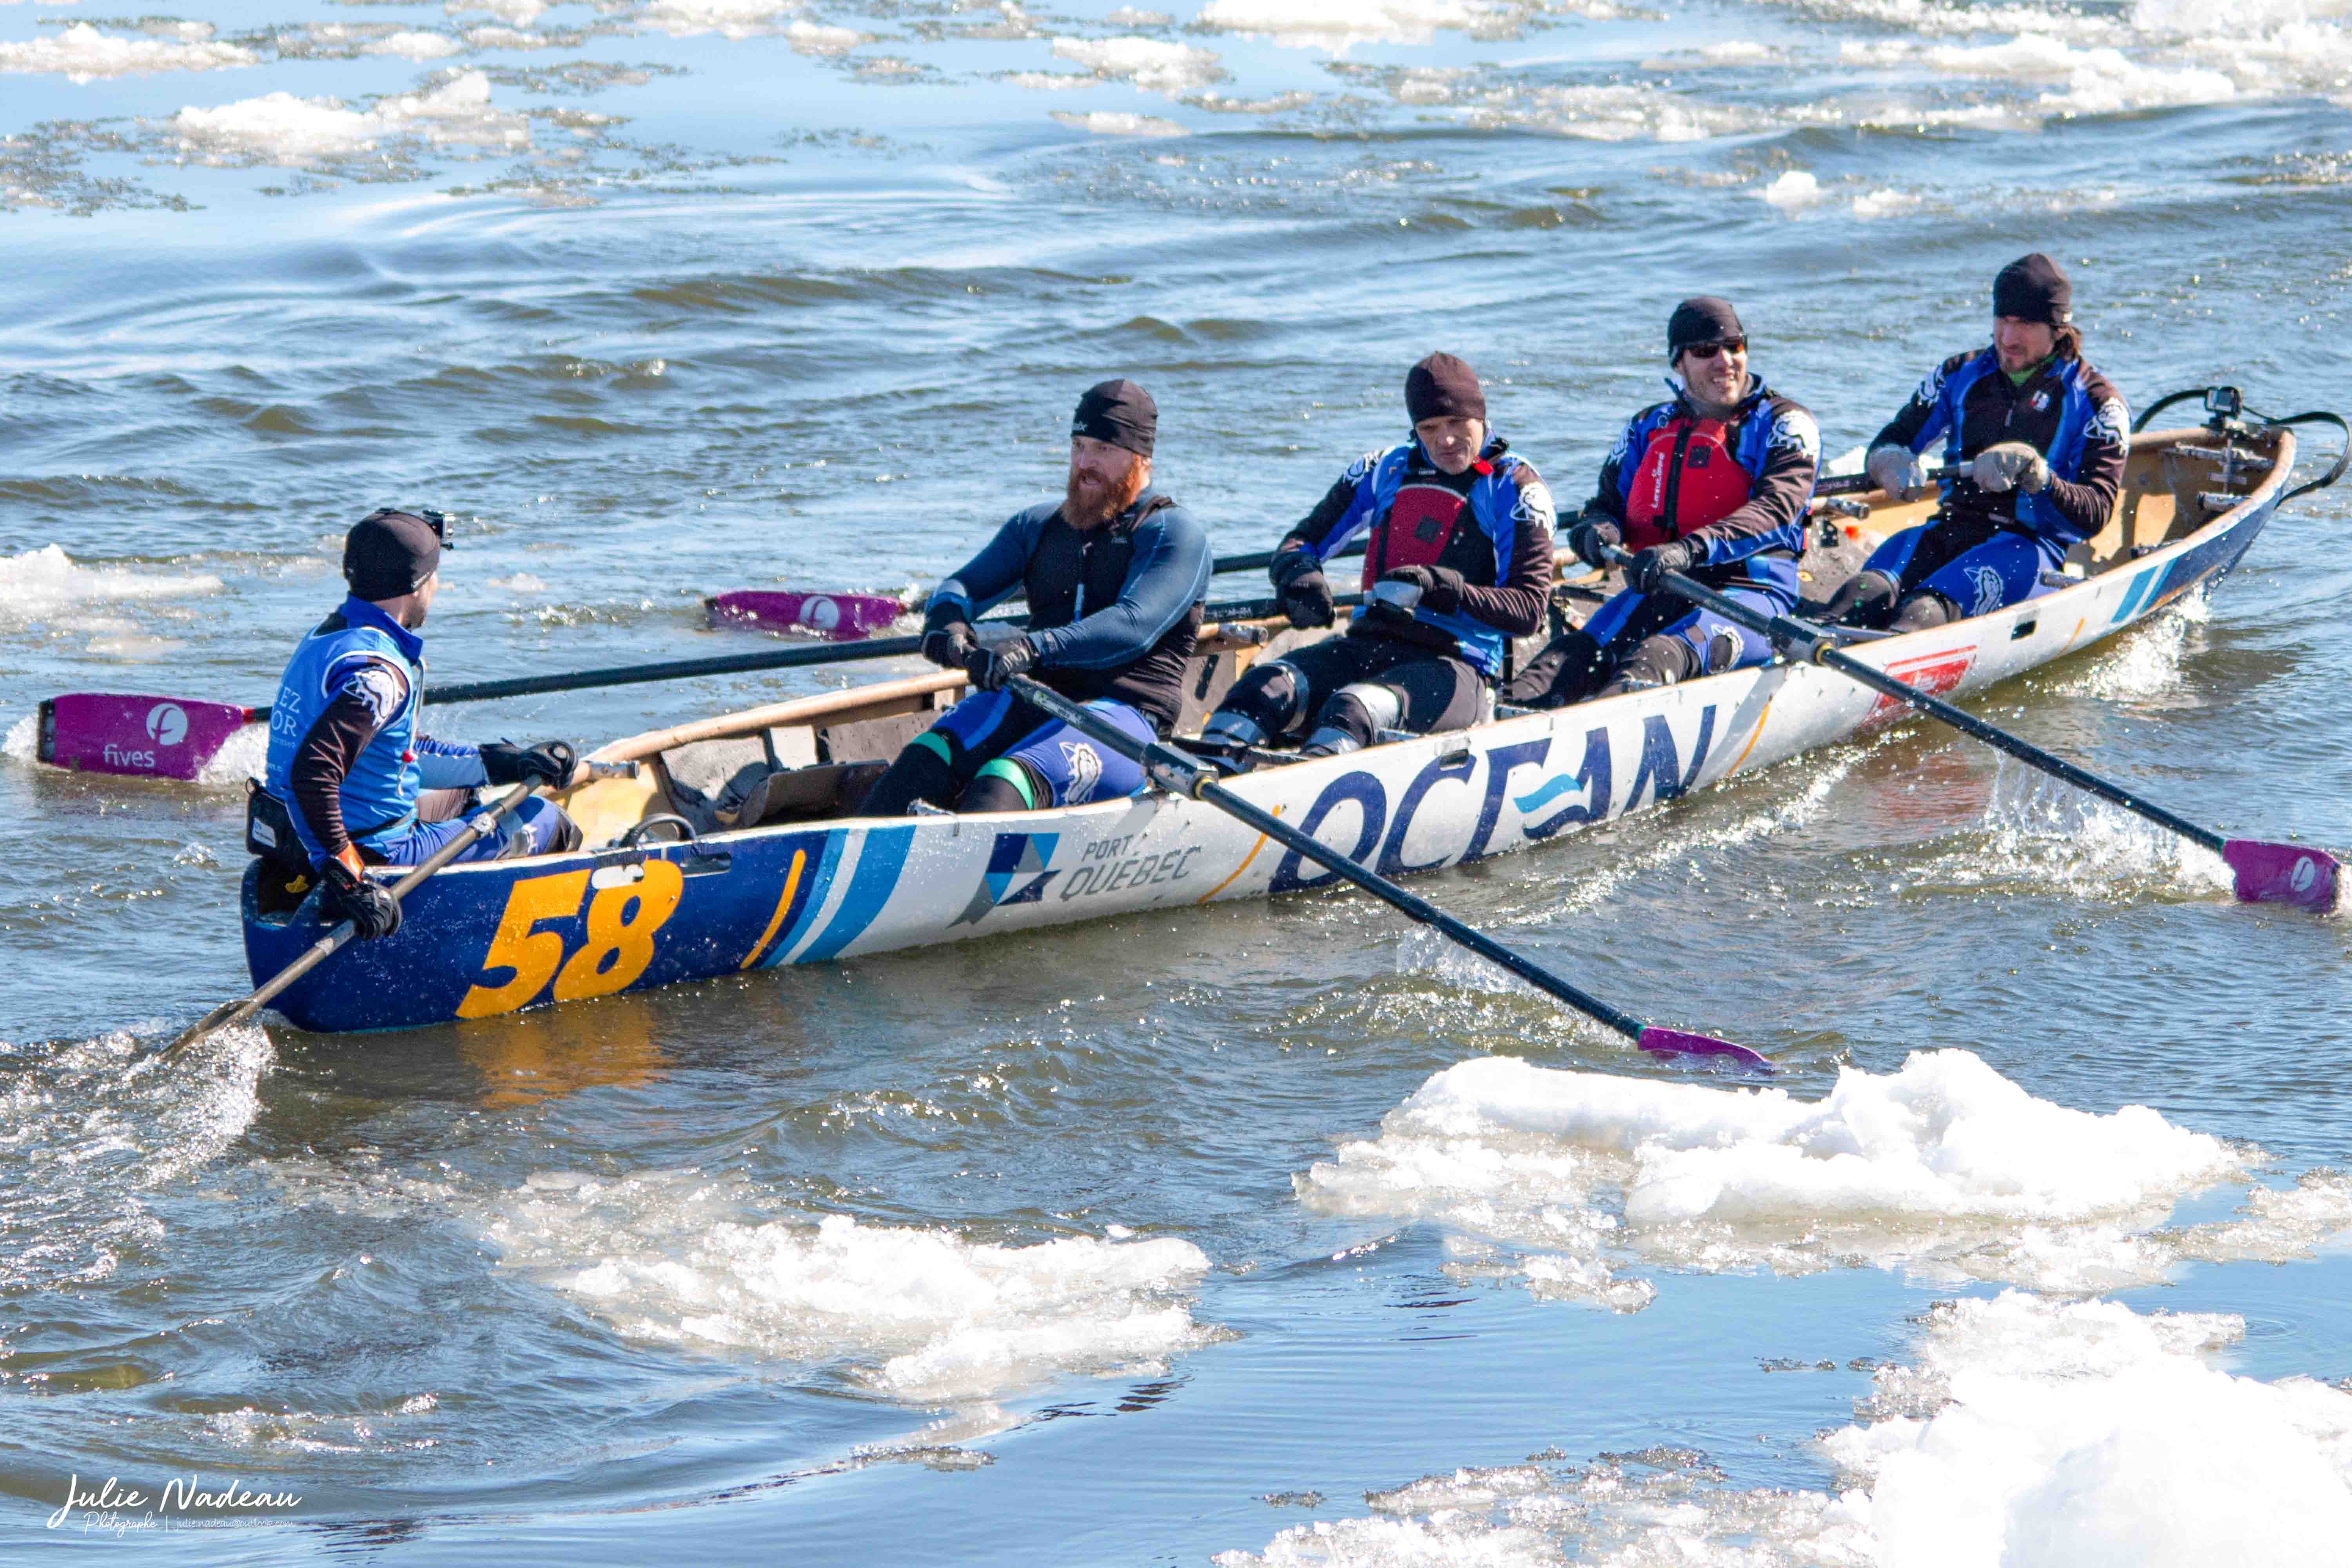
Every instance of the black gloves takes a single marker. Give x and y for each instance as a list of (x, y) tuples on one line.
[(550, 763), (1587, 540), (1441, 586), (947, 637), (991, 667), (1647, 571), (346, 895), (1303, 591)]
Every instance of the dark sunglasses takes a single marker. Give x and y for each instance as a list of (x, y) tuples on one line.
[(1708, 350)]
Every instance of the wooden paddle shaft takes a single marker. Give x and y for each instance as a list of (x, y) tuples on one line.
[(231, 1013), (1185, 774)]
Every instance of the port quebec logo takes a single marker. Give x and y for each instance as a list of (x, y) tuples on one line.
[(184, 1502)]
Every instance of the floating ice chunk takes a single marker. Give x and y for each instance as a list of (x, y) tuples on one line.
[(2087, 1434), (1793, 192), (283, 128), (82, 53), (728, 18), (413, 46), (1154, 66), (1109, 122), (816, 39), (677, 1258), (1336, 23), (1944, 1165), (2029, 1434)]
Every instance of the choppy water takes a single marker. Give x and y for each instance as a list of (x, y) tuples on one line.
[(1170, 1236)]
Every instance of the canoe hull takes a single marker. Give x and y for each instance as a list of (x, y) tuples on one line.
[(487, 938)]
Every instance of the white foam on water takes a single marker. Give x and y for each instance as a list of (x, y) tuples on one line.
[(1943, 1168), (82, 53), (2145, 663), (728, 19), (1149, 64), (1108, 123), (2029, 1434), (2046, 833), (242, 756), (47, 586), (1793, 191), (88, 1128), (1883, 202), (918, 1314)]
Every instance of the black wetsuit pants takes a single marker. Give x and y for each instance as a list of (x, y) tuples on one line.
[(1354, 687)]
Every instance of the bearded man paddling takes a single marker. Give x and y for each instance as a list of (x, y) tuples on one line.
[(1114, 574), (2041, 439), (1458, 562), (1713, 482), (350, 782)]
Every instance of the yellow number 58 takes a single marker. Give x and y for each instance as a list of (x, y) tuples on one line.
[(621, 922)]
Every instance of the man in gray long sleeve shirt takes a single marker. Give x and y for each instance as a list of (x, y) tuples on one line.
[(1114, 574)]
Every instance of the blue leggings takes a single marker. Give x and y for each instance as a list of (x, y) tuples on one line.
[(533, 829), (1625, 622), (994, 731), (1976, 567)]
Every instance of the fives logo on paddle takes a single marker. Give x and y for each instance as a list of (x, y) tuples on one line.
[(166, 725)]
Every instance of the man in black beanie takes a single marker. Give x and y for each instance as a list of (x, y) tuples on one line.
[(1714, 482), (350, 782), (1458, 562), (2038, 440), (1115, 573)]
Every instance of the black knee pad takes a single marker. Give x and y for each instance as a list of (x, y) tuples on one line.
[(1272, 695), (1723, 650), (1867, 600), (1353, 718), (1924, 610), (1659, 661), (1568, 670)]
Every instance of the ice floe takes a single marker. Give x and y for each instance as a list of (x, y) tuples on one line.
[(1944, 1167), (82, 53), (280, 128), (919, 1313), (1149, 64), (2026, 1432)]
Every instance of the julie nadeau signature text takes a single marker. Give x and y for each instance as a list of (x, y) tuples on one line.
[(180, 1495)]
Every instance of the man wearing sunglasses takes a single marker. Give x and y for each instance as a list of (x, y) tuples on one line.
[(2038, 439), (350, 782), (1714, 482)]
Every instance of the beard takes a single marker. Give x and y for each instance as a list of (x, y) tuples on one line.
[(1087, 502)]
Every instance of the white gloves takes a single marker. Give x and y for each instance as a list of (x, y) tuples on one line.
[(1896, 470), (2011, 464)]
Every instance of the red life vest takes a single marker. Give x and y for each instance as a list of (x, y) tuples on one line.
[(1686, 479), (1419, 525)]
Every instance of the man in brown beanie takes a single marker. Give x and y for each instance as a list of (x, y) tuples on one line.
[(1458, 562), (1115, 573), (2039, 439)]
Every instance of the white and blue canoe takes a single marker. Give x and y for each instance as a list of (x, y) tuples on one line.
[(790, 882)]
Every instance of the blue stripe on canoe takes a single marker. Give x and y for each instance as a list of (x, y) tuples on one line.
[(2139, 593), (811, 900), (870, 886)]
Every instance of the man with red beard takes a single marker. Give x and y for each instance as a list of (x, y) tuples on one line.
[(1114, 574)]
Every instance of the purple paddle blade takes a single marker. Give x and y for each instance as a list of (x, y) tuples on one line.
[(145, 737), (2282, 874), (1674, 1042), (839, 618)]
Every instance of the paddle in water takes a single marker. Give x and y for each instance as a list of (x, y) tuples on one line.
[(2263, 871), (176, 737), (480, 824), (1183, 774)]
